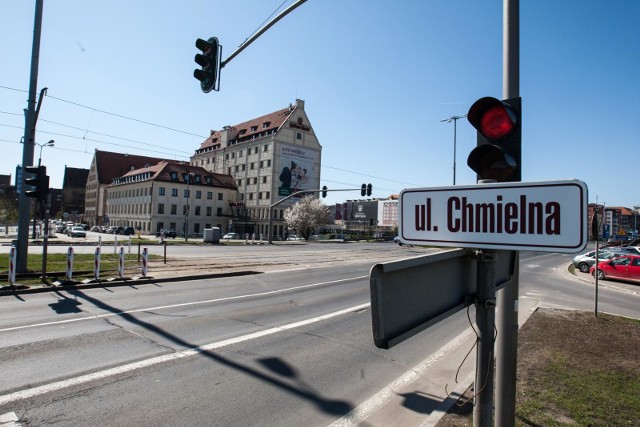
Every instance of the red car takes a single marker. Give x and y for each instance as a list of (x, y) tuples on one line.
[(625, 267)]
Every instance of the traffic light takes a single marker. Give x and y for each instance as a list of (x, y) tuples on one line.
[(369, 188), (39, 183), (497, 155), (363, 190), (324, 191), (209, 61)]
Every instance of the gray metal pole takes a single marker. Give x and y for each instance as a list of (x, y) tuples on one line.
[(29, 140), (507, 318), (485, 321)]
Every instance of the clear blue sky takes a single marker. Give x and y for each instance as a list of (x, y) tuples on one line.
[(377, 78)]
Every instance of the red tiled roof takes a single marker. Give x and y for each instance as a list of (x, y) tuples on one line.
[(163, 170), (113, 165), (273, 121)]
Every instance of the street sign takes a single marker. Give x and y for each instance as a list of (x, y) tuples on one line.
[(548, 216), (410, 295)]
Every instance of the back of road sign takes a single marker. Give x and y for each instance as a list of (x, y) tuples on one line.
[(409, 295)]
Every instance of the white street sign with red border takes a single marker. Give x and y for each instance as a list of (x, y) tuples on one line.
[(549, 216)]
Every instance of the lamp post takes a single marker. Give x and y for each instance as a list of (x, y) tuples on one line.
[(186, 212), (454, 119), (49, 143)]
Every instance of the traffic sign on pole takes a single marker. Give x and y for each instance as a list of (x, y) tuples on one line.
[(542, 216)]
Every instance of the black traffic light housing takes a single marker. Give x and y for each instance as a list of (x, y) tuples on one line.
[(363, 190), (39, 183), (324, 191), (369, 188), (209, 62), (497, 155)]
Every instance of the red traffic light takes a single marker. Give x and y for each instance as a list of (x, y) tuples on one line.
[(494, 119)]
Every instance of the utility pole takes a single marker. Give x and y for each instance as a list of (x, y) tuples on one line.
[(454, 119), (507, 316), (28, 147)]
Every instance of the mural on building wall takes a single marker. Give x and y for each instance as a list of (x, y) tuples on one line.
[(298, 170)]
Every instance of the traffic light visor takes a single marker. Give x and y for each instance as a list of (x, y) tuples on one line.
[(494, 119), (490, 162)]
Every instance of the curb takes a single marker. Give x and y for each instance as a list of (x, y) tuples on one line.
[(7, 291)]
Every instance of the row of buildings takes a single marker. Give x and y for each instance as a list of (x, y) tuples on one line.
[(230, 182)]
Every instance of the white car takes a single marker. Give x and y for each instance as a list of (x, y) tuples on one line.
[(231, 236), (295, 237), (77, 231)]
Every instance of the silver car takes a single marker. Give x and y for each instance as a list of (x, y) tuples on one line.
[(585, 261)]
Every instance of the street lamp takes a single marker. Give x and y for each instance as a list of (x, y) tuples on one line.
[(46, 144), (35, 211), (186, 212), (454, 119)]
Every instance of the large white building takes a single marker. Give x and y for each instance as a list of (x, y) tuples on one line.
[(269, 157)]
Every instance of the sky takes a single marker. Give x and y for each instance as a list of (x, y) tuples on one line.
[(377, 77)]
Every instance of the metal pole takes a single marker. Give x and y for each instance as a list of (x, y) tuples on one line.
[(27, 149), (485, 321), (46, 236), (507, 320), (455, 122)]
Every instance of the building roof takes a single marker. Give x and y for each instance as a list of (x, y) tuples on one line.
[(176, 172), (113, 165), (75, 177), (250, 129)]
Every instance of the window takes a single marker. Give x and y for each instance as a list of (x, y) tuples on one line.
[(186, 193), (269, 163), (268, 195), (254, 128), (160, 208), (252, 165), (174, 192), (174, 210), (219, 212), (172, 225), (198, 194), (197, 210), (208, 211), (161, 191), (209, 195), (298, 135), (220, 196), (266, 148), (264, 179)]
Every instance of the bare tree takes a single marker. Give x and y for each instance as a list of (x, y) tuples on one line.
[(305, 215)]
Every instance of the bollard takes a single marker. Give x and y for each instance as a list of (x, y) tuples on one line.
[(121, 263), (100, 241), (138, 253), (12, 265), (129, 245), (115, 244), (145, 257), (69, 276), (165, 251), (96, 264)]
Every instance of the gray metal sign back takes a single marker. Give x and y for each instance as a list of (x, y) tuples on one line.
[(410, 295)]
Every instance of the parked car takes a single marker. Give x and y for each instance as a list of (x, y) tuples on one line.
[(117, 230), (61, 229), (167, 233), (127, 231), (294, 237), (77, 231), (625, 267), (95, 229), (230, 236), (585, 261)]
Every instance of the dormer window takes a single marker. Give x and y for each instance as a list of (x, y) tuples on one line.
[(265, 125), (174, 176), (208, 180), (254, 128), (198, 179)]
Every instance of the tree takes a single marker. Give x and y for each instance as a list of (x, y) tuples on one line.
[(305, 215)]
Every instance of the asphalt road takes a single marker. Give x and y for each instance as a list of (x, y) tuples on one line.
[(288, 347)]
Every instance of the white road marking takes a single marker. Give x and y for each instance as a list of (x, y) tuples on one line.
[(185, 304), (59, 385), (369, 406)]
